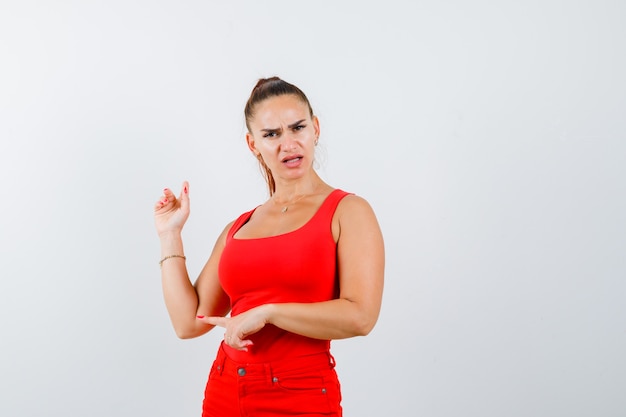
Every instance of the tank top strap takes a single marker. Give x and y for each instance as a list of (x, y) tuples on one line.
[(237, 224), (327, 210)]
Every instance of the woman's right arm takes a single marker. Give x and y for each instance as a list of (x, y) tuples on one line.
[(183, 300)]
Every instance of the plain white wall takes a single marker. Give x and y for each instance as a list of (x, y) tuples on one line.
[(488, 136)]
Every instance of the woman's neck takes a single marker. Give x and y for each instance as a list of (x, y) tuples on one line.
[(288, 191)]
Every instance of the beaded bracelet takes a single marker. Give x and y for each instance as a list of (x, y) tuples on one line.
[(169, 257)]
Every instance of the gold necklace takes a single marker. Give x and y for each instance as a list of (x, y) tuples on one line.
[(286, 207)]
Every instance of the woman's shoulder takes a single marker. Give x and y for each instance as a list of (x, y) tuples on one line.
[(353, 207), (352, 201), (354, 219)]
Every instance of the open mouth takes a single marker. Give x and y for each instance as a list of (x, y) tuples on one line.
[(292, 160)]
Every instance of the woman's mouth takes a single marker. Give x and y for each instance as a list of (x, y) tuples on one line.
[(292, 161)]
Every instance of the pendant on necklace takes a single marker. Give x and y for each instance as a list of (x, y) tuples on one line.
[(284, 209)]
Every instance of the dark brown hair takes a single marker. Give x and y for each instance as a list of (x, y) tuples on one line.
[(267, 88)]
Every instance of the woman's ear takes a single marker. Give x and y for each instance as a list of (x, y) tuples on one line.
[(316, 126), (251, 144)]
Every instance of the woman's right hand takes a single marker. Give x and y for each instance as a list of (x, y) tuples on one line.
[(171, 213)]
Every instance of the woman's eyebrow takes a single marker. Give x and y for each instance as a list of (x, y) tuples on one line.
[(291, 126), (277, 129)]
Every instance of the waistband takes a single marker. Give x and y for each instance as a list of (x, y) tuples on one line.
[(271, 370)]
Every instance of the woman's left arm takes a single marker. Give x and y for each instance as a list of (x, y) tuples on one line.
[(361, 263)]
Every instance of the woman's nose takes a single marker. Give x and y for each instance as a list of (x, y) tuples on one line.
[(288, 141)]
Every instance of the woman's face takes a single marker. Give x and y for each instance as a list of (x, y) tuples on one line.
[(284, 134)]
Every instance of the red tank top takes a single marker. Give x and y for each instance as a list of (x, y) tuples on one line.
[(294, 267)]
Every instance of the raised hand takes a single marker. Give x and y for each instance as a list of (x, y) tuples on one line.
[(171, 213)]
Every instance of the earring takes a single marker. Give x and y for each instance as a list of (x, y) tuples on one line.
[(316, 140)]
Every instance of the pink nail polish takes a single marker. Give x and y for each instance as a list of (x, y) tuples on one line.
[(186, 190), (200, 317)]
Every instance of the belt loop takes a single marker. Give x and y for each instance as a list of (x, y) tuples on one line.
[(331, 360)]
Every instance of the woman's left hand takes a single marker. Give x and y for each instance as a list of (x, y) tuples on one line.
[(240, 326)]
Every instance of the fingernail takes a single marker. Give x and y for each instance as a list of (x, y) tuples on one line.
[(165, 190), (185, 190), (165, 200), (200, 317)]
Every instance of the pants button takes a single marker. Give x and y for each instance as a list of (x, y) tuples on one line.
[(241, 372)]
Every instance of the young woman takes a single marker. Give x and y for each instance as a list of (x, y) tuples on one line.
[(299, 270)]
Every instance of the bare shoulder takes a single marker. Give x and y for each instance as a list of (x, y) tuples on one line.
[(353, 204), (227, 228), (355, 216)]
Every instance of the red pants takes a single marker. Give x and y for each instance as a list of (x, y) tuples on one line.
[(301, 386)]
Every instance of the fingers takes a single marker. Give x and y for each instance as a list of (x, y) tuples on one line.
[(163, 202), (215, 321), (237, 342), (169, 195), (232, 337), (184, 196), (168, 198)]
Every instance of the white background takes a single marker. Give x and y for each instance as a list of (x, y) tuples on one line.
[(488, 136)]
